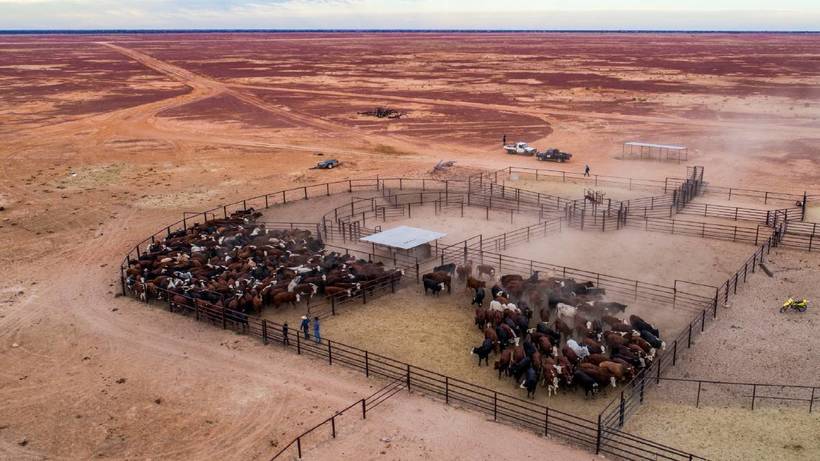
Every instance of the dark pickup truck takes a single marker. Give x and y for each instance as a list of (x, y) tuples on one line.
[(553, 155)]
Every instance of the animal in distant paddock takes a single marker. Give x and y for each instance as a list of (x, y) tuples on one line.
[(486, 269), (483, 351)]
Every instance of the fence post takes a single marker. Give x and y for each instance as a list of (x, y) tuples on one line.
[(811, 402), (223, 318), (674, 352), (495, 406), (264, 331), (598, 436), (329, 353), (364, 410), (299, 446), (703, 318), (622, 410), (408, 377), (547, 419), (754, 393), (298, 343), (689, 340), (697, 401), (333, 426), (447, 390), (643, 386)]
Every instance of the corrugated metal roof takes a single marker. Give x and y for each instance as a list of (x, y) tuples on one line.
[(404, 237), (658, 146)]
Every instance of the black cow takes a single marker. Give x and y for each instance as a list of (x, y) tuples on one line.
[(653, 340), (479, 297), (449, 268), (518, 369), (640, 324), (483, 351), (544, 328), (433, 286), (530, 382), (586, 382)]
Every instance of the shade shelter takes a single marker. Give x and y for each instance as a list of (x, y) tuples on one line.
[(651, 151), (411, 241)]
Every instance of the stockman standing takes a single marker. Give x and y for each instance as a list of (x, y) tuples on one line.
[(285, 339), (316, 336), (586, 169), (305, 326), (504, 140)]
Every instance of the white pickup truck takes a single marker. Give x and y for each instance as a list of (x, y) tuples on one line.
[(520, 148)]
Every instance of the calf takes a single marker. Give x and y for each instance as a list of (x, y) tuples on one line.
[(474, 283), (483, 351)]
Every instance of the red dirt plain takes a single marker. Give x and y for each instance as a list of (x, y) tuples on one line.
[(139, 128)]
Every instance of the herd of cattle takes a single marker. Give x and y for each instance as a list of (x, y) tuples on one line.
[(242, 265), (580, 341)]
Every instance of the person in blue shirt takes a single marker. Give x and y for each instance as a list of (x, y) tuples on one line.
[(316, 335)]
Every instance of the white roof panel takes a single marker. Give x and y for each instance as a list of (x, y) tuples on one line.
[(404, 237), (658, 146)]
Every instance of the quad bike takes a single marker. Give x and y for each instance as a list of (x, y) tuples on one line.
[(792, 304)]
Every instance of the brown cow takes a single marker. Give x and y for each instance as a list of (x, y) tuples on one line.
[(618, 370), (594, 346), (601, 375), (486, 269), (474, 283), (286, 297), (465, 271), (503, 363)]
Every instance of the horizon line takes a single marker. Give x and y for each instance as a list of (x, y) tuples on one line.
[(359, 30)]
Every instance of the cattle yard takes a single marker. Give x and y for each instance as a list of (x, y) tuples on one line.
[(668, 250)]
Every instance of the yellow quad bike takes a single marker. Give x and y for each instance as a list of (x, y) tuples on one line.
[(793, 304)]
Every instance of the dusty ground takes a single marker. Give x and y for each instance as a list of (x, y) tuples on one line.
[(106, 139), (416, 428), (650, 257), (774, 348)]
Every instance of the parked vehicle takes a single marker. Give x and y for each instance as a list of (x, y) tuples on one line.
[(520, 148), (327, 164), (553, 155)]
